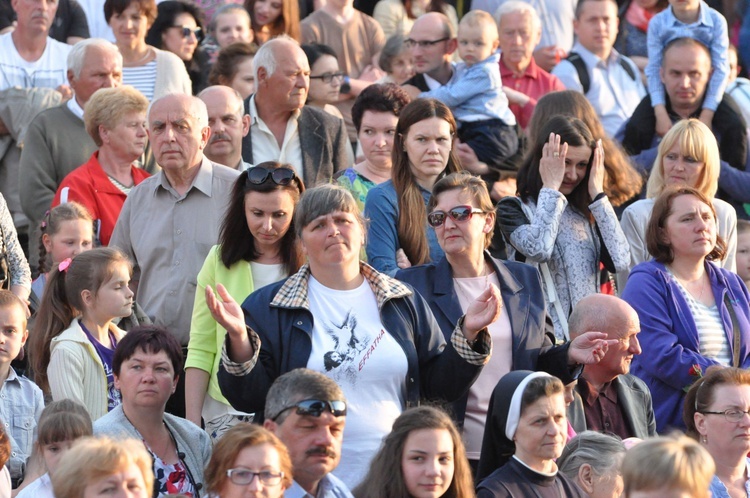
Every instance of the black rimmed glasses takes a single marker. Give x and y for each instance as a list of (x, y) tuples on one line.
[(280, 176), (316, 407), (186, 31), (458, 214), (243, 477), (732, 415), (423, 43), (328, 77)]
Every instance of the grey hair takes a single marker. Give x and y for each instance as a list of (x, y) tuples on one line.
[(240, 110), (323, 200), (266, 56), (518, 7), (77, 54), (393, 47), (197, 110), (602, 452), (298, 385)]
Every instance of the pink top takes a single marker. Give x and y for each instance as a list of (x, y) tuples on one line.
[(534, 82)]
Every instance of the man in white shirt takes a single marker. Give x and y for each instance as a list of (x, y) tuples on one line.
[(610, 81), (229, 125), (282, 127)]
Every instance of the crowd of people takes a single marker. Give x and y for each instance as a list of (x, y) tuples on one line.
[(374, 248)]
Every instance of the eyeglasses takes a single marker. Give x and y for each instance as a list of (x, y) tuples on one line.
[(315, 408), (280, 176), (732, 414), (423, 43), (186, 32), (243, 477), (328, 77), (458, 214)]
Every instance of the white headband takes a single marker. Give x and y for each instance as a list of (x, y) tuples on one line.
[(514, 411)]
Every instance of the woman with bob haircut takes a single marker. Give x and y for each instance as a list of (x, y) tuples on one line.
[(593, 461), (245, 452), (563, 222), (526, 432), (257, 247), (145, 368), (96, 464), (688, 155), (676, 467), (422, 438), (375, 336), (271, 18), (693, 313), (422, 153), (716, 415)]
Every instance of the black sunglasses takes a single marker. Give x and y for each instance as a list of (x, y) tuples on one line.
[(457, 214), (280, 176), (186, 32), (315, 407)]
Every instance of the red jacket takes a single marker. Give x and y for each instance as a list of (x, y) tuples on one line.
[(89, 185)]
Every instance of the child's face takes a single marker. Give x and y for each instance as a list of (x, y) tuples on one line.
[(231, 28), (73, 237), (13, 332), (743, 256), (114, 298), (53, 453), (476, 43)]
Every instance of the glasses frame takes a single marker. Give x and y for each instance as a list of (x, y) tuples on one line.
[(186, 32), (305, 407), (409, 43), (271, 478), (328, 77), (741, 414), (279, 176), (460, 218)]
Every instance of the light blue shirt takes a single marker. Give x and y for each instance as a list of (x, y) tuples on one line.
[(21, 404), (718, 490), (328, 487), (475, 93), (613, 93), (710, 30)]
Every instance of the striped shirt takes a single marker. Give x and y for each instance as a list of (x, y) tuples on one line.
[(143, 78)]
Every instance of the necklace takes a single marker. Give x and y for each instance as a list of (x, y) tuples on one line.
[(689, 285)]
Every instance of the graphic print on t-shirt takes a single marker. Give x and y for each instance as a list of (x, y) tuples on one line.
[(348, 345)]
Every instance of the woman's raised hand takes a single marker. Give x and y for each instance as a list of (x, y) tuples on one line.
[(482, 312), (552, 164), (596, 177), (226, 312)]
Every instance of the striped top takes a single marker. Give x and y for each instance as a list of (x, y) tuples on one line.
[(712, 339), (143, 78)]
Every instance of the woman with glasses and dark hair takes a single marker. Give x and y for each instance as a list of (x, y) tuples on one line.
[(178, 28), (325, 78), (717, 414), (248, 459), (372, 334), (145, 367), (257, 247)]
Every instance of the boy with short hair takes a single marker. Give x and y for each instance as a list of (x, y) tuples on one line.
[(475, 92), (743, 251), (21, 401)]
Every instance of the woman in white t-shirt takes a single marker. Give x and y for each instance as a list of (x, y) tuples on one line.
[(372, 334)]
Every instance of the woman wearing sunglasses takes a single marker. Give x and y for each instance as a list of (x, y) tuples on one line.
[(248, 461), (178, 28), (463, 217), (563, 222), (257, 246), (373, 335)]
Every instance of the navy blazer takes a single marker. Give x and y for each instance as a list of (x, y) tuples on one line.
[(523, 298)]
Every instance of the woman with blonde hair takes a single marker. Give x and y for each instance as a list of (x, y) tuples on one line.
[(688, 155)]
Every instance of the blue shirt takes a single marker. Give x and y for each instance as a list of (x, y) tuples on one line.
[(106, 355), (475, 93), (21, 404), (381, 208), (718, 490), (710, 30), (328, 487)]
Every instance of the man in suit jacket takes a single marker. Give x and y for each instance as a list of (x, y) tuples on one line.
[(608, 398), (282, 128)]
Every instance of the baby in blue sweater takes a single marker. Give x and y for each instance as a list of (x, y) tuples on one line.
[(475, 92)]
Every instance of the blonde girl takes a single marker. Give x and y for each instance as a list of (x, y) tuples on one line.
[(74, 337)]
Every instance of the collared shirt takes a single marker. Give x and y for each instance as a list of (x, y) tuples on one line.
[(602, 410), (75, 108), (168, 236), (328, 487), (265, 146), (710, 29), (613, 93), (719, 490), (535, 82), (21, 404)]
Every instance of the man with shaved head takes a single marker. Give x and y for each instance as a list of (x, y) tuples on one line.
[(607, 398), (171, 220), (228, 123)]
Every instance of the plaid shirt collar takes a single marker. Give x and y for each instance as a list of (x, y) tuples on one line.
[(293, 294)]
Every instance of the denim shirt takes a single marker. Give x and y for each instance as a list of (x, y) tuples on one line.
[(21, 404), (381, 208), (719, 490)]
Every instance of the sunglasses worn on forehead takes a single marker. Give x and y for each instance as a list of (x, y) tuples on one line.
[(458, 214), (186, 31), (316, 407), (280, 176)]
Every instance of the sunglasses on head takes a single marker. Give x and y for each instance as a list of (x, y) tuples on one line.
[(186, 31), (280, 176), (315, 407), (457, 214)]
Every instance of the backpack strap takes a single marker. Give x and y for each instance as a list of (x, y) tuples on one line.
[(583, 72)]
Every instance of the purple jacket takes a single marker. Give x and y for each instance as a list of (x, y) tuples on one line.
[(669, 337)]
